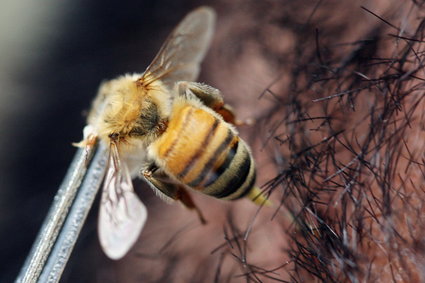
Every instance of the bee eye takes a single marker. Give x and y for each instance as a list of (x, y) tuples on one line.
[(114, 136)]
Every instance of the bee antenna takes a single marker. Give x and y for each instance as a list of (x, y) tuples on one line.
[(114, 136)]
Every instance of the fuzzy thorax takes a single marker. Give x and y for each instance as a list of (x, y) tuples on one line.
[(129, 109)]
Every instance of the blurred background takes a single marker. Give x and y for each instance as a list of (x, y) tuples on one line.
[(271, 59)]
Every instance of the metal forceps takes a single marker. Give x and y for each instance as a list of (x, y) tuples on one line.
[(64, 221)]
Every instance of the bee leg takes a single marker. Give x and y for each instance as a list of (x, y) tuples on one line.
[(167, 190), (211, 97), (164, 190), (185, 198)]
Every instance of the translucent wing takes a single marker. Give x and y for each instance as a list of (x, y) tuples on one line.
[(180, 56), (122, 215)]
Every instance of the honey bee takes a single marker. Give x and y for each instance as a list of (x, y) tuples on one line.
[(171, 131)]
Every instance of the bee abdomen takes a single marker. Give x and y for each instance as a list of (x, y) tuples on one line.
[(235, 177), (205, 153)]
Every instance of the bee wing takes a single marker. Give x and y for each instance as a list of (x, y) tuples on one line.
[(122, 215), (180, 56)]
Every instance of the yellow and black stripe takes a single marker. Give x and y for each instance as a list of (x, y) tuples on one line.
[(205, 153)]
